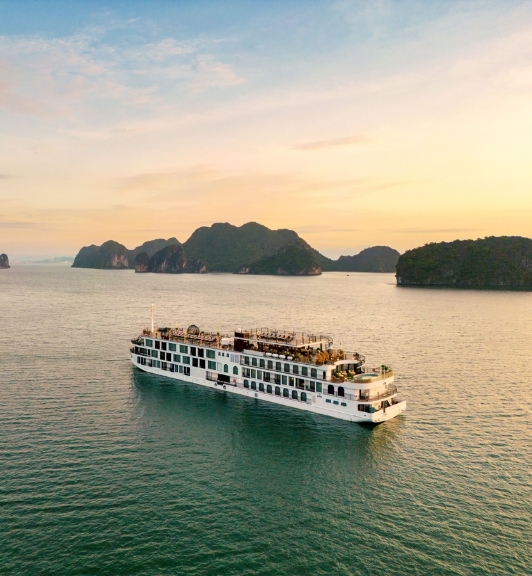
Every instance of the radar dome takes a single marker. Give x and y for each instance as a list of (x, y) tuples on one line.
[(193, 330)]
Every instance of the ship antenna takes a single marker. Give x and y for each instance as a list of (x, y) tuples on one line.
[(152, 318)]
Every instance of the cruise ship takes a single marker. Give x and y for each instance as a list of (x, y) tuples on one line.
[(295, 369)]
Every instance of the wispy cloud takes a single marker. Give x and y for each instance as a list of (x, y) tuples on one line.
[(434, 230), (333, 142), (19, 224)]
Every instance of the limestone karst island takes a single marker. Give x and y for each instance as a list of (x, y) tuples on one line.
[(247, 249)]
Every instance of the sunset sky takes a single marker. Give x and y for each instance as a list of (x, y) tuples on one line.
[(353, 123)]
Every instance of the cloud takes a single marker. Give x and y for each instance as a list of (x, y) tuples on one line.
[(434, 231), (332, 143), (19, 224)]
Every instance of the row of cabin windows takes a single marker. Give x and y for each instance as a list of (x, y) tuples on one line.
[(195, 362), (163, 365), (282, 379), (280, 367), (192, 350), (268, 388)]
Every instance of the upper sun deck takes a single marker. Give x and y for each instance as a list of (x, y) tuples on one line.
[(303, 347)]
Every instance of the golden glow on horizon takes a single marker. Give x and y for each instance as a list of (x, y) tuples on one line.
[(435, 151)]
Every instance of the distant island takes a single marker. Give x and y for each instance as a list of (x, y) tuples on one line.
[(248, 249), (4, 262), (503, 262), (55, 260)]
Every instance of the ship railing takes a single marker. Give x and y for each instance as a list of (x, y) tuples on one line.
[(362, 397)]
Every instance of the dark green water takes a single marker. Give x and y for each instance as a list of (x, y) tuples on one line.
[(105, 470)]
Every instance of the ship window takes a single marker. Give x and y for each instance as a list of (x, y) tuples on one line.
[(335, 401), (330, 389), (277, 391), (303, 396), (246, 383), (318, 386), (328, 400), (183, 349), (186, 359), (312, 386), (286, 392), (138, 359), (295, 369), (324, 376), (304, 371), (171, 347), (266, 377), (163, 355), (344, 404), (341, 391), (186, 370), (291, 380), (177, 358), (269, 388), (235, 370), (300, 383), (253, 385), (163, 366), (287, 367), (211, 354), (163, 345), (294, 394), (259, 374), (253, 361), (202, 363), (278, 366), (261, 387), (313, 373), (149, 343), (246, 360), (226, 368), (211, 365), (284, 380), (158, 364), (193, 351), (277, 378), (201, 352), (261, 363), (154, 353), (157, 344), (270, 364), (195, 362), (253, 373)]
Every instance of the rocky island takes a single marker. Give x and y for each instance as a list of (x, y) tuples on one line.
[(296, 258), (248, 249), (4, 262), (503, 263)]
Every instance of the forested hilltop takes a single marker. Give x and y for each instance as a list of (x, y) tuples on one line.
[(250, 249), (503, 262)]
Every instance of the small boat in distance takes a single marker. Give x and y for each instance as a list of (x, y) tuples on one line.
[(295, 369)]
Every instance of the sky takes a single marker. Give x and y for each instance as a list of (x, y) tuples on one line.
[(354, 123)]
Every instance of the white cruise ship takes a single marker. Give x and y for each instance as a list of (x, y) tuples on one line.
[(295, 369)]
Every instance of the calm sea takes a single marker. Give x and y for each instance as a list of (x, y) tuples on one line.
[(105, 470)]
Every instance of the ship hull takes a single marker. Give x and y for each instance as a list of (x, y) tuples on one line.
[(318, 403)]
